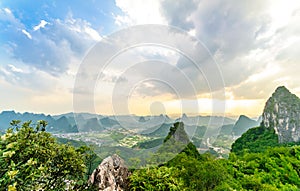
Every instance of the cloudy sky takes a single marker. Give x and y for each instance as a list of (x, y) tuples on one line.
[(244, 50)]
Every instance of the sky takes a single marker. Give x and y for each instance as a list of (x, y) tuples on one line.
[(245, 49)]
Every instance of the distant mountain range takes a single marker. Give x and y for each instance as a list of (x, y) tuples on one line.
[(157, 126), (61, 124)]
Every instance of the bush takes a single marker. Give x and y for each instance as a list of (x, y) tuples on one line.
[(31, 159), (159, 178)]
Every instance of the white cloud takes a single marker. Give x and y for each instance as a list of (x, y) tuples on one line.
[(15, 69), (282, 11), (26, 33), (93, 33), (81, 26), (139, 12), (256, 44), (46, 66), (122, 20), (248, 40), (42, 24), (178, 13), (4, 72), (7, 10), (7, 15), (53, 49)]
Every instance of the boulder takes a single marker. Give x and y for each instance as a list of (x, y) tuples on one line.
[(111, 175)]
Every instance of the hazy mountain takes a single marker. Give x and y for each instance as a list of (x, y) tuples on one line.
[(7, 116), (68, 115), (91, 124), (259, 119), (108, 122), (158, 131), (61, 125), (142, 119), (226, 129), (209, 121), (243, 124), (156, 126)]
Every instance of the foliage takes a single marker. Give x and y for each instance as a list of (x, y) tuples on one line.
[(92, 160), (255, 140), (149, 143), (291, 101), (204, 174), (275, 169), (31, 159), (178, 133), (159, 178), (117, 136), (187, 169), (72, 142), (177, 141), (194, 174), (258, 162)]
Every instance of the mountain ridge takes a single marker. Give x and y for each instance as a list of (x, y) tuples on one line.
[(243, 124)]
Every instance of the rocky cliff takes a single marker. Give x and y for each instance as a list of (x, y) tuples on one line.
[(282, 112), (110, 175), (178, 134)]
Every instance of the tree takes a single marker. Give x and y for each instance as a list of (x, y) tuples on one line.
[(31, 159), (92, 160), (157, 178), (255, 140)]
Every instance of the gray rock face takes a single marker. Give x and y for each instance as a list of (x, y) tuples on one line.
[(282, 112), (177, 132), (110, 175)]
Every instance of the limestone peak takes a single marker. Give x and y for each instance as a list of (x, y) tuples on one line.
[(282, 112)]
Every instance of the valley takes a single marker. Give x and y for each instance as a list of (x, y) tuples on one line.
[(139, 134)]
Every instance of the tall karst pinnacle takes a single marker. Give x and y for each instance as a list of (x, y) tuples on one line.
[(282, 112)]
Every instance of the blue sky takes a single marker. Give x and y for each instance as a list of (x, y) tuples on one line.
[(29, 41), (31, 13), (42, 45)]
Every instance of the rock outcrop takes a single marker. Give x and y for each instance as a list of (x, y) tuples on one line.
[(110, 175), (177, 132), (177, 141), (282, 112)]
